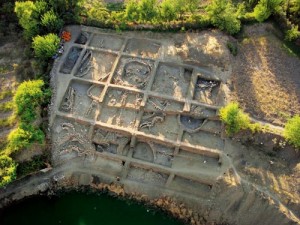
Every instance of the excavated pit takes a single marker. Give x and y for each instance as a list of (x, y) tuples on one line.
[(141, 110)]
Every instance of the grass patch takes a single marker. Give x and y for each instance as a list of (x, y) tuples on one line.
[(5, 94), (7, 122), (6, 106)]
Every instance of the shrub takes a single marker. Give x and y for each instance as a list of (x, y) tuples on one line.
[(234, 118), (97, 14), (51, 22), (147, 10), (7, 170), (265, 8), (23, 137), (131, 10), (25, 11), (45, 46), (292, 34), (223, 15), (167, 10), (28, 96), (292, 131)]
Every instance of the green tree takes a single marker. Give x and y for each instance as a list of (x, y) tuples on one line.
[(23, 137), (234, 118), (131, 10), (223, 15), (147, 9), (45, 46), (51, 22), (28, 97), (168, 10), (191, 5), (97, 13), (25, 11), (69, 10), (292, 131), (292, 34), (7, 170), (265, 8)]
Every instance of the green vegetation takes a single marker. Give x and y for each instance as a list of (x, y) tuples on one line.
[(7, 170), (45, 46), (27, 167), (23, 137), (37, 18), (6, 106), (232, 48), (292, 34), (265, 8), (223, 15), (42, 20), (234, 118), (6, 94), (29, 96), (51, 21), (292, 131), (7, 122)]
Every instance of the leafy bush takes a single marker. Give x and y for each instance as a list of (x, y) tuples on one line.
[(292, 131), (28, 96), (223, 15), (23, 137), (167, 10), (147, 9), (97, 14), (131, 10), (52, 22), (265, 8), (7, 170), (45, 46), (25, 12), (234, 118), (292, 34)]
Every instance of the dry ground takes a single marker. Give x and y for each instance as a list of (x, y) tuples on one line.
[(266, 77), (16, 65)]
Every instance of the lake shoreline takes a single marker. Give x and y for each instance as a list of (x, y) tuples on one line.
[(57, 186)]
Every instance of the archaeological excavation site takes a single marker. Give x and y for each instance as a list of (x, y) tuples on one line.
[(139, 110)]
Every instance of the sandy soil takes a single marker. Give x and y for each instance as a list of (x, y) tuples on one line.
[(266, 78)]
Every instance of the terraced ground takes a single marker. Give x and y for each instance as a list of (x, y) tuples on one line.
[(140, 109)]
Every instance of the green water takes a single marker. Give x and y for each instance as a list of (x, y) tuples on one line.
[(82, 209)]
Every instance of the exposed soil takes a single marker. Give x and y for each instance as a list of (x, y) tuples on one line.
[(266, 78), (16, 65), (147, 121)]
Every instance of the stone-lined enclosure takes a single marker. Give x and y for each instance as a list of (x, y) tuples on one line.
[(141, 110)]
